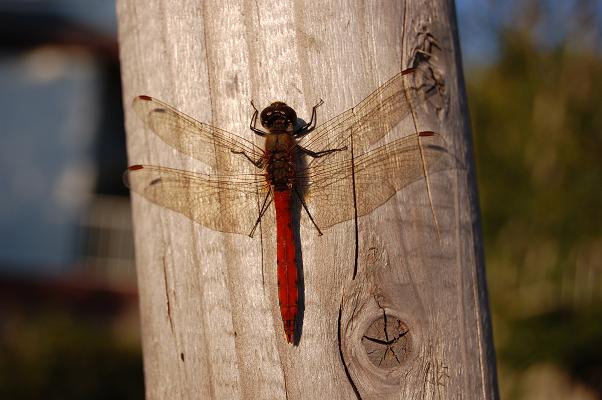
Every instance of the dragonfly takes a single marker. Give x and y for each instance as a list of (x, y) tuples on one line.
[(333, 172)]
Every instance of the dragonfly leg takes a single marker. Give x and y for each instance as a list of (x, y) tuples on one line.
[(253, 124), (318, 154), (311, 125), (307, 211), (257, 163), (264, 208)]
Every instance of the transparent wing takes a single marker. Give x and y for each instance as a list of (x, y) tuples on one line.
[(377, 176), (373, 117), (213, 146), (222, 203)]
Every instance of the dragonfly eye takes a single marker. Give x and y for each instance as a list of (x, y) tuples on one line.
[(278, 116)]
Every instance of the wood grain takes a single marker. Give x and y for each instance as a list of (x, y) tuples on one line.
[(211, 324)]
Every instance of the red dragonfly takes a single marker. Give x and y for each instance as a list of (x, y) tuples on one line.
[(336, 173)]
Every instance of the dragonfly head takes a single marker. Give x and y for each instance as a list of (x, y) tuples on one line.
[(278, 116)]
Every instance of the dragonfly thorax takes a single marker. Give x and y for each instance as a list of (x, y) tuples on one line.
[(278, 117), (280, 160)]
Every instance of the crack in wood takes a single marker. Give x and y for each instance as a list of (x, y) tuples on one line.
[(168, 301), (424, 51), (349, 378)]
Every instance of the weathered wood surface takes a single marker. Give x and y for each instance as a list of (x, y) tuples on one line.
[(210, 317)]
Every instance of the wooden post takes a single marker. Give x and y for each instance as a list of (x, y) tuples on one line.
[(414, 321)]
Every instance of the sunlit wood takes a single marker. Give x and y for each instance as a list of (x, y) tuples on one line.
[(413, 322)]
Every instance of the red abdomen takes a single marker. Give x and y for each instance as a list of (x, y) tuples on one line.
[(287, 263)]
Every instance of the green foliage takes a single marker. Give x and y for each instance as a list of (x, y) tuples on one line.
[(537, 122), (56, 355)]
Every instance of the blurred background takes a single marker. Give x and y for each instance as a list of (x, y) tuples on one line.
[(68, 309)]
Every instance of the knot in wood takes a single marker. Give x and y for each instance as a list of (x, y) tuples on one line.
[(387, 342)]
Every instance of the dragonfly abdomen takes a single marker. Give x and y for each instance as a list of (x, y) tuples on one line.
[(288, 294)]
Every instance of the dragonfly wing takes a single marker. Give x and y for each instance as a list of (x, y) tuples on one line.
[(215, 147), (373, 117), (223, 204), (376, 175)]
